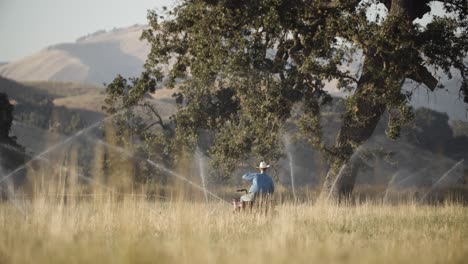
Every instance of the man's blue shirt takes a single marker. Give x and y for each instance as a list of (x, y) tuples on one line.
[(261, 182)]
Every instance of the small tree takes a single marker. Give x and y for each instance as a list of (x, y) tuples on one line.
[(11, 153), (128, 130)]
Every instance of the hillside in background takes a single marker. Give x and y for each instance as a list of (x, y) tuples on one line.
[(63, 89), (46, 111), (38, 119), (96, 58)]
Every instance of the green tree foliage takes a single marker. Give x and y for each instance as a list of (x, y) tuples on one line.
[(431, 130), (244, 65), (129, 129), (460, 128)]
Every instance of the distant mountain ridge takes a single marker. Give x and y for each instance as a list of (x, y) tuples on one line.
[(96, 58)]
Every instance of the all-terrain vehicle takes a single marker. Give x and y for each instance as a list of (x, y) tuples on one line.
[(262, 203)]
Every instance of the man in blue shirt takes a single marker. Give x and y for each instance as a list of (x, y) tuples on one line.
[(261, 183)]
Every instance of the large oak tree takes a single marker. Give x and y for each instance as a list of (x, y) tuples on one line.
[(244, 65)]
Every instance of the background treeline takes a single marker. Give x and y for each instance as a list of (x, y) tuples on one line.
[(34, 105)]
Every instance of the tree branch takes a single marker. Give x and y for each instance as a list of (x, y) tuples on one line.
[(345, 76), (422, 75), (160, 121)]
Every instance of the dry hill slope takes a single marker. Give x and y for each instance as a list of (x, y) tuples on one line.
[(96, 59)]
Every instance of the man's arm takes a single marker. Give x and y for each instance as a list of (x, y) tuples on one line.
[(249, 176)]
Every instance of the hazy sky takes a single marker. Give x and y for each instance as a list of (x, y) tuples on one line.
[(27, 26)]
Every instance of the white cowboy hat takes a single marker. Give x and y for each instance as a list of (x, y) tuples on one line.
[(263, 165)]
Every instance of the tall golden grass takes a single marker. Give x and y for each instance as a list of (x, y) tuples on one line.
[(107, 229)]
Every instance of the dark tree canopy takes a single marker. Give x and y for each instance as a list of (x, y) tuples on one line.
[(243, 67), (11, 153), (6, 116)]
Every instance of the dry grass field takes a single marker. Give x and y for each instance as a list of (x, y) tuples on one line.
[(93, 225), (104, 229)]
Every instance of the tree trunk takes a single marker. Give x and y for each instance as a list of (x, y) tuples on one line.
[(359, 123)]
